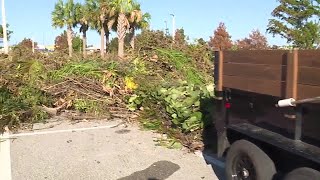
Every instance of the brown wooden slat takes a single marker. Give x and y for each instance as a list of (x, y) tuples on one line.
[(256, 57), (309, 76), (257, 71), (292, 75), (309, 58), (307, 91), (221, 69), (267, 87)]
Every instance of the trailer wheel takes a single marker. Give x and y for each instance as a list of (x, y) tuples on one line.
[(303, 174), (247, 161)]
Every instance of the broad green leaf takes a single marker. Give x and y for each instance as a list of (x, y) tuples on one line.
[(176, 121), (137, 101), (198, 115), (174, 116)]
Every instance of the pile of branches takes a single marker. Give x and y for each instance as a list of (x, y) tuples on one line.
[(69, 91), (32, 90), (82, 86)]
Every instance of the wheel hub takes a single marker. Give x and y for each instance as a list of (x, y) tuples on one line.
[(243, 168), (245, 173)]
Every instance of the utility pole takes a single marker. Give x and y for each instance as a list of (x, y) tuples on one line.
[(4, 28), (173, 27)]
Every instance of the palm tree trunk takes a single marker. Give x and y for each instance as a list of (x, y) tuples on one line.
[(121, 49), (107, 34), (132, 38), (102, 33), (121, 31), (69, 37), (84, 44)]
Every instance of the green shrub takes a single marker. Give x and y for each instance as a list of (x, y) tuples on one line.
[(23, 106), (183, 104)]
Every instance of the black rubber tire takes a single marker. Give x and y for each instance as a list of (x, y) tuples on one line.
[(303, 173), (264, 168)]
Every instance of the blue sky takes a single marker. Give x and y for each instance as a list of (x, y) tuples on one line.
[(199, 18)]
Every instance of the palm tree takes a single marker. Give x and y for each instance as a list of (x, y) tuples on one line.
[(122, 7), (108, 17), (101, 13), (137, 20), (64, 15), (83, 19)]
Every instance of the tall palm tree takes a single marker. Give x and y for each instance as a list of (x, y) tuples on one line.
[(122, 7), (101, 13), (108, 17), (83, 15), (64, 15), (137, 20)]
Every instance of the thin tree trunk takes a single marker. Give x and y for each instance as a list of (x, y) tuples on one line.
[(121, 31), (107, 40), (84, 44), (132, 38), (69, 37), (102, 33)]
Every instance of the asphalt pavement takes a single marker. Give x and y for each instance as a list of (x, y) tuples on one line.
[(106, 150)]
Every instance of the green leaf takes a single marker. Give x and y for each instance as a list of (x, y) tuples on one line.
[(198, 115), (176, 121), (167, 99), (186, 114), (189, 101), (163, 91), (169, 109), (137, 101), (197, 103), (192, 119), (174, 116), (132, 98), (176, 145), (175, 96), (185, 126)]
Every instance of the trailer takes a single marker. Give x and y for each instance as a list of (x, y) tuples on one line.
[(268, 113)]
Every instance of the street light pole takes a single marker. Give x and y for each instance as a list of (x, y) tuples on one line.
[(166, 30), (4, 28), (173, 26), (32, 44)]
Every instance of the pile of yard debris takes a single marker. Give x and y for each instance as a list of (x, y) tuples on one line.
[(164, 89), (32, 90)]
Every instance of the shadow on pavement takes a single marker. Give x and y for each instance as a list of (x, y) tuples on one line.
[(157, 171)]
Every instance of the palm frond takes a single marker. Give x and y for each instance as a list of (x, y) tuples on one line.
[(58, 15)]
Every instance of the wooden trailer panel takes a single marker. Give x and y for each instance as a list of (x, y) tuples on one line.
[(258, 79), (309, 74), (279, 73), (260, 71), (274, 88), (266, 57)]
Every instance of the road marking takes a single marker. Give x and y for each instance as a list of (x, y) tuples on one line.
[(5, 158), (61, 131)]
